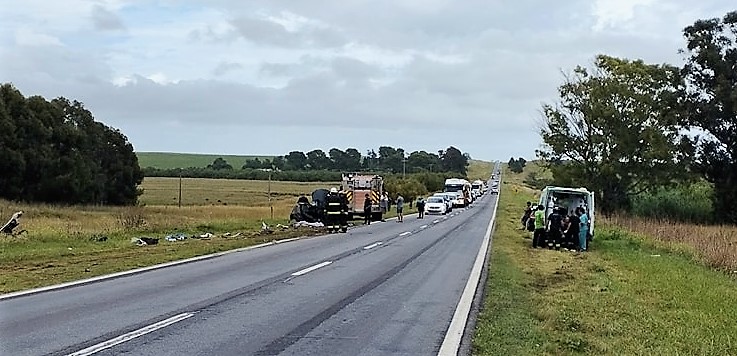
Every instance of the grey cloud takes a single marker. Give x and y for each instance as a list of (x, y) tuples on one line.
[(226, 67), (106, 20), (266, 32)]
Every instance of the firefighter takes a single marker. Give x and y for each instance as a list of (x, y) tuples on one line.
[(333, 210), (343, 212), (367, 210)]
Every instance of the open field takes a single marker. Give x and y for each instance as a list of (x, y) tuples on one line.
[(626, 296), (203, 191), (166, 160), (479, 170)]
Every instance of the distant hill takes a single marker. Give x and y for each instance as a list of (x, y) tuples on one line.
[(168, 160)]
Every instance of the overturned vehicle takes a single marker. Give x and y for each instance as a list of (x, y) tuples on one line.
[(310, 213)]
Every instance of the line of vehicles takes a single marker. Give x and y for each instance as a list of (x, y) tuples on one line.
[(357, 187)]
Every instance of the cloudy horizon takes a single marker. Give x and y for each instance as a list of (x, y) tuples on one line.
[(269, 77)]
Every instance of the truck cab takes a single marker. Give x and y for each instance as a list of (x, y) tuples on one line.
[(355, 186)]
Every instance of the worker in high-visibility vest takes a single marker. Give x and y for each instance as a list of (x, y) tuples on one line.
[(333, 210)]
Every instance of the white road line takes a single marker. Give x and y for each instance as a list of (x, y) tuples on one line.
[(131, 335), (445, 218), (373, 245), (435, 221), (454, 335), (405, 233), (423, 226), (310, 269)]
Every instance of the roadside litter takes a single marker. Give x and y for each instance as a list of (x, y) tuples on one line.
[(144, 241), (12, 224), (98, 238), (308, 224), (176, 237)]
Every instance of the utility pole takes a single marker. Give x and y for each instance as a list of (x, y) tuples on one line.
[(271, 206), (404, 167), (180, 187)]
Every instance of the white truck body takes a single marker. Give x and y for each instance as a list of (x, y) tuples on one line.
[(569, 199)]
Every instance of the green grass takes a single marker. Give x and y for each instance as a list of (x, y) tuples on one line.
[(625, 297), (479, 170), (168, 160)]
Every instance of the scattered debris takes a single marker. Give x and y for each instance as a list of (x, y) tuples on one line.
[(308, 224), (227, 234), (176, 237), (654, 255), (12, 224), (98, 238), (143, 241)]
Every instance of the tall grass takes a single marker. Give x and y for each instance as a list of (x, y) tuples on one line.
[(687, 203), (713, 245)]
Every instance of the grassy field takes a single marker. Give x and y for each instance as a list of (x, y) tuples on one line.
[(628, 296), (167, 160), (479, 170)]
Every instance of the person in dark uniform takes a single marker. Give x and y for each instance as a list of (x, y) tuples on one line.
[(333, 210), (367, 210), (420, 208), (343, 212), (555, 229)]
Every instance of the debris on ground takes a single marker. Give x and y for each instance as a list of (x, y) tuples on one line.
[(12, 224), (98, 238), (176, 237), (308, 224), (144, 241)]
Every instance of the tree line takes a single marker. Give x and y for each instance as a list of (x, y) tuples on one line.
[(317, 165), (54, 151), (625, 128)]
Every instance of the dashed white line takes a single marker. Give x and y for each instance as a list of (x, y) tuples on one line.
[(405, 233), (310, 269), (435, 221), (373, 245), (131, 335), (445, 218), (423, 226)]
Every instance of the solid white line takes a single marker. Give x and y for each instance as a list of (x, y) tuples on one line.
[(405, 233), (131, 335), (372, 245), (454, 335), (423, 226), (310, 269)]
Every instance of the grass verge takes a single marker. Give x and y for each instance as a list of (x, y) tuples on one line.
[(625, 297)]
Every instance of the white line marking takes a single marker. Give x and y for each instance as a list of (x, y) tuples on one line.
[(423, 226), (310, 269), (405, 233), (435, 221), (131, 335), (373, 245), (454, 335), (445, 218)]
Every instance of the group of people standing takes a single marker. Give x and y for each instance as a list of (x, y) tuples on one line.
[(561, 229)]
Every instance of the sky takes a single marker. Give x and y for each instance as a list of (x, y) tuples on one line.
[(266, 77)]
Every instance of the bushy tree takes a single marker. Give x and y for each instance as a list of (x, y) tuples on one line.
[(220, 164), (711, 73), (615, 130)]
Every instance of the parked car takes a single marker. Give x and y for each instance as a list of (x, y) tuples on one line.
[(436, 205), (448, 198)]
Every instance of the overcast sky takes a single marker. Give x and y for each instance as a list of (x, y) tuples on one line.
[(267, 77)]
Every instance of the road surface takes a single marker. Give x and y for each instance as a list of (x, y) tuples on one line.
[(385, 289)]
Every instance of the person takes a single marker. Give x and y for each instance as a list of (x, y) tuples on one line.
[(538, 237), (400, 208), (333, 210), (343, 212), (571, 233), (526, 215), (367, 210), (384, 205), (583, 230), (420, 208), (410, 203), (554, 229)]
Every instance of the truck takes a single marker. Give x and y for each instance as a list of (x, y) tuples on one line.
[(568, 199), (477, 188), (461, 187), (355, 186)]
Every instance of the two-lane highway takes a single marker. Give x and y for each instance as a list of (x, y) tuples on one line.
[(385, 289)]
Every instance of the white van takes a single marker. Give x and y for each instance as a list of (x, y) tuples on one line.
[(568, 199)]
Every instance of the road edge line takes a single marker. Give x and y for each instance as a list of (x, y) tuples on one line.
[(454, 334)]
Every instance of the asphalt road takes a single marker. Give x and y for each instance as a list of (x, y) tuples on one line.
[(385, 289)]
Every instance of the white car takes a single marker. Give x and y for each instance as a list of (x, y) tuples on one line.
[(448, 198), (436, 205)]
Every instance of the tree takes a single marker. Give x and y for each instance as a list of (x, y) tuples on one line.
[(352, 159), (219, 164), (711, 73), (317, 159), (615, 130), (453, 160), (421, 161), (296, 160), (516, 166), (339, 159), (371, 162)]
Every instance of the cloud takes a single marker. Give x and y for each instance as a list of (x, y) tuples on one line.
[(225, 67), (106, 20), (288, 31)]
